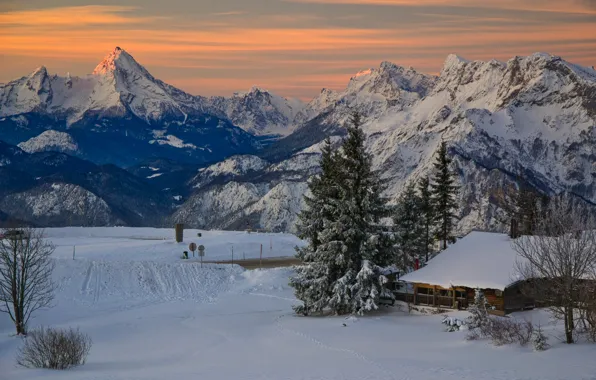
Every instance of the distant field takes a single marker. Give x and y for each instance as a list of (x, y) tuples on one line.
[(158, 244)]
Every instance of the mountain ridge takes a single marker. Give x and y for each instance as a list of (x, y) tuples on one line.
[(532, 116)]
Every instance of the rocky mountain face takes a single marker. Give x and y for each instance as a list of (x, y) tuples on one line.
[(203, 161), (531, 116)]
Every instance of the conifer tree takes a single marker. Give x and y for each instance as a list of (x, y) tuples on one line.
[(313, 280), (409, 230), (341, 269), (363, 207), (321, 188), (528, 206), (427, 214), (443, 190)]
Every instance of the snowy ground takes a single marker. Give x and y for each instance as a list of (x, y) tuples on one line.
[(156, 319), (158, 244)]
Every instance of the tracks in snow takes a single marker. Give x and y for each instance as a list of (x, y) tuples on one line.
[(389, 374)]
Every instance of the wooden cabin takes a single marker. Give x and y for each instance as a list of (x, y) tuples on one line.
[(481, 260)]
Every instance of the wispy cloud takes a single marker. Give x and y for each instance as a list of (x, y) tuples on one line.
[(567, 6), (73, 16), (297, 51), (229, 13)]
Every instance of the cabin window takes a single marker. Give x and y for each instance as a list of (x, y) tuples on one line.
[(445, 293), (460, 294), (498, 293)]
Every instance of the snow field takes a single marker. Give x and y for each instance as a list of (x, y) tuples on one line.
[(158, 244), (156, 319)]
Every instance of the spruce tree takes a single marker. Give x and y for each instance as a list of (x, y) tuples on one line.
[(427, 214), (347, 244), (443, 190), (528, 205), (362, 236), (313, 280), (409, 230), (321, 188)]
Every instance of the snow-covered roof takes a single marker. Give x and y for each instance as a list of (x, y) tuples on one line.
[(481, 259)]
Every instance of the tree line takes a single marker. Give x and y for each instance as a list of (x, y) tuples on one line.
[(349, 247)]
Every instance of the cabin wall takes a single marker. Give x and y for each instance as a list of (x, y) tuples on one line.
[(458, 297)]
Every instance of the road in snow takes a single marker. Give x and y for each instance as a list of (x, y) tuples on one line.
[(168, 320)]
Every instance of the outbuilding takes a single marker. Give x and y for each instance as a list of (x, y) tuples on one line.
[(481, 260)]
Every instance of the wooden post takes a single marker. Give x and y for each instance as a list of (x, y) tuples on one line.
[(415, 293), (179, 232), (261, 258), (454, 297), (232, 255), (73, 251), (435, 295)]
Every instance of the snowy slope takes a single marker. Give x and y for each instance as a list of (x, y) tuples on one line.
[(161, 320), (50, 141)]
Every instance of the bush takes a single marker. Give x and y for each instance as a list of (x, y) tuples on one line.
[(54, 349), (453, 324), (508, 331), (539, 340)]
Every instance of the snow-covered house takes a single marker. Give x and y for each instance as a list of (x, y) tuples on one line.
[(479, 260)]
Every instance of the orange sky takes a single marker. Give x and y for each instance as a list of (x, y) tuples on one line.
[(293, 47)]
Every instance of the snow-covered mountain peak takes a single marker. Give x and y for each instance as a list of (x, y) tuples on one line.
[(118, 59), (453, 61), (259, 111), (41, 71)]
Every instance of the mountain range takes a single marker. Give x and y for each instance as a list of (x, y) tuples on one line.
[(127, 148)]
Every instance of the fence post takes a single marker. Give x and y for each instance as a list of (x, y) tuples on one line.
[(261, 258), (232, 255)]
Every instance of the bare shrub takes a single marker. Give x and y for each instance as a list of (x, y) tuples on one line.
[(508, 331), (473, 335), (54, 348)]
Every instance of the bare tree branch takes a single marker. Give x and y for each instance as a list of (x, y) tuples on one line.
[(26, 270), (559, 262)]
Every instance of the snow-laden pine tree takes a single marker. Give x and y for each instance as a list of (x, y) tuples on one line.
[(478, 311), (539, 340), (359, 225), (409, 230), (369, 288), (444, 191), (427, 215), (321, 188), (347, 244), (314, 279)]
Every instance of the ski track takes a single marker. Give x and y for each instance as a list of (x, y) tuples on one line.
[(357, 355)]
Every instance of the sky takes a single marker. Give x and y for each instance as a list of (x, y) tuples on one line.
[(291, 47)]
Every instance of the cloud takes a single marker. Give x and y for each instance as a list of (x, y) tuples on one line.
[(229, 13), (73, 16), (565, 6)]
